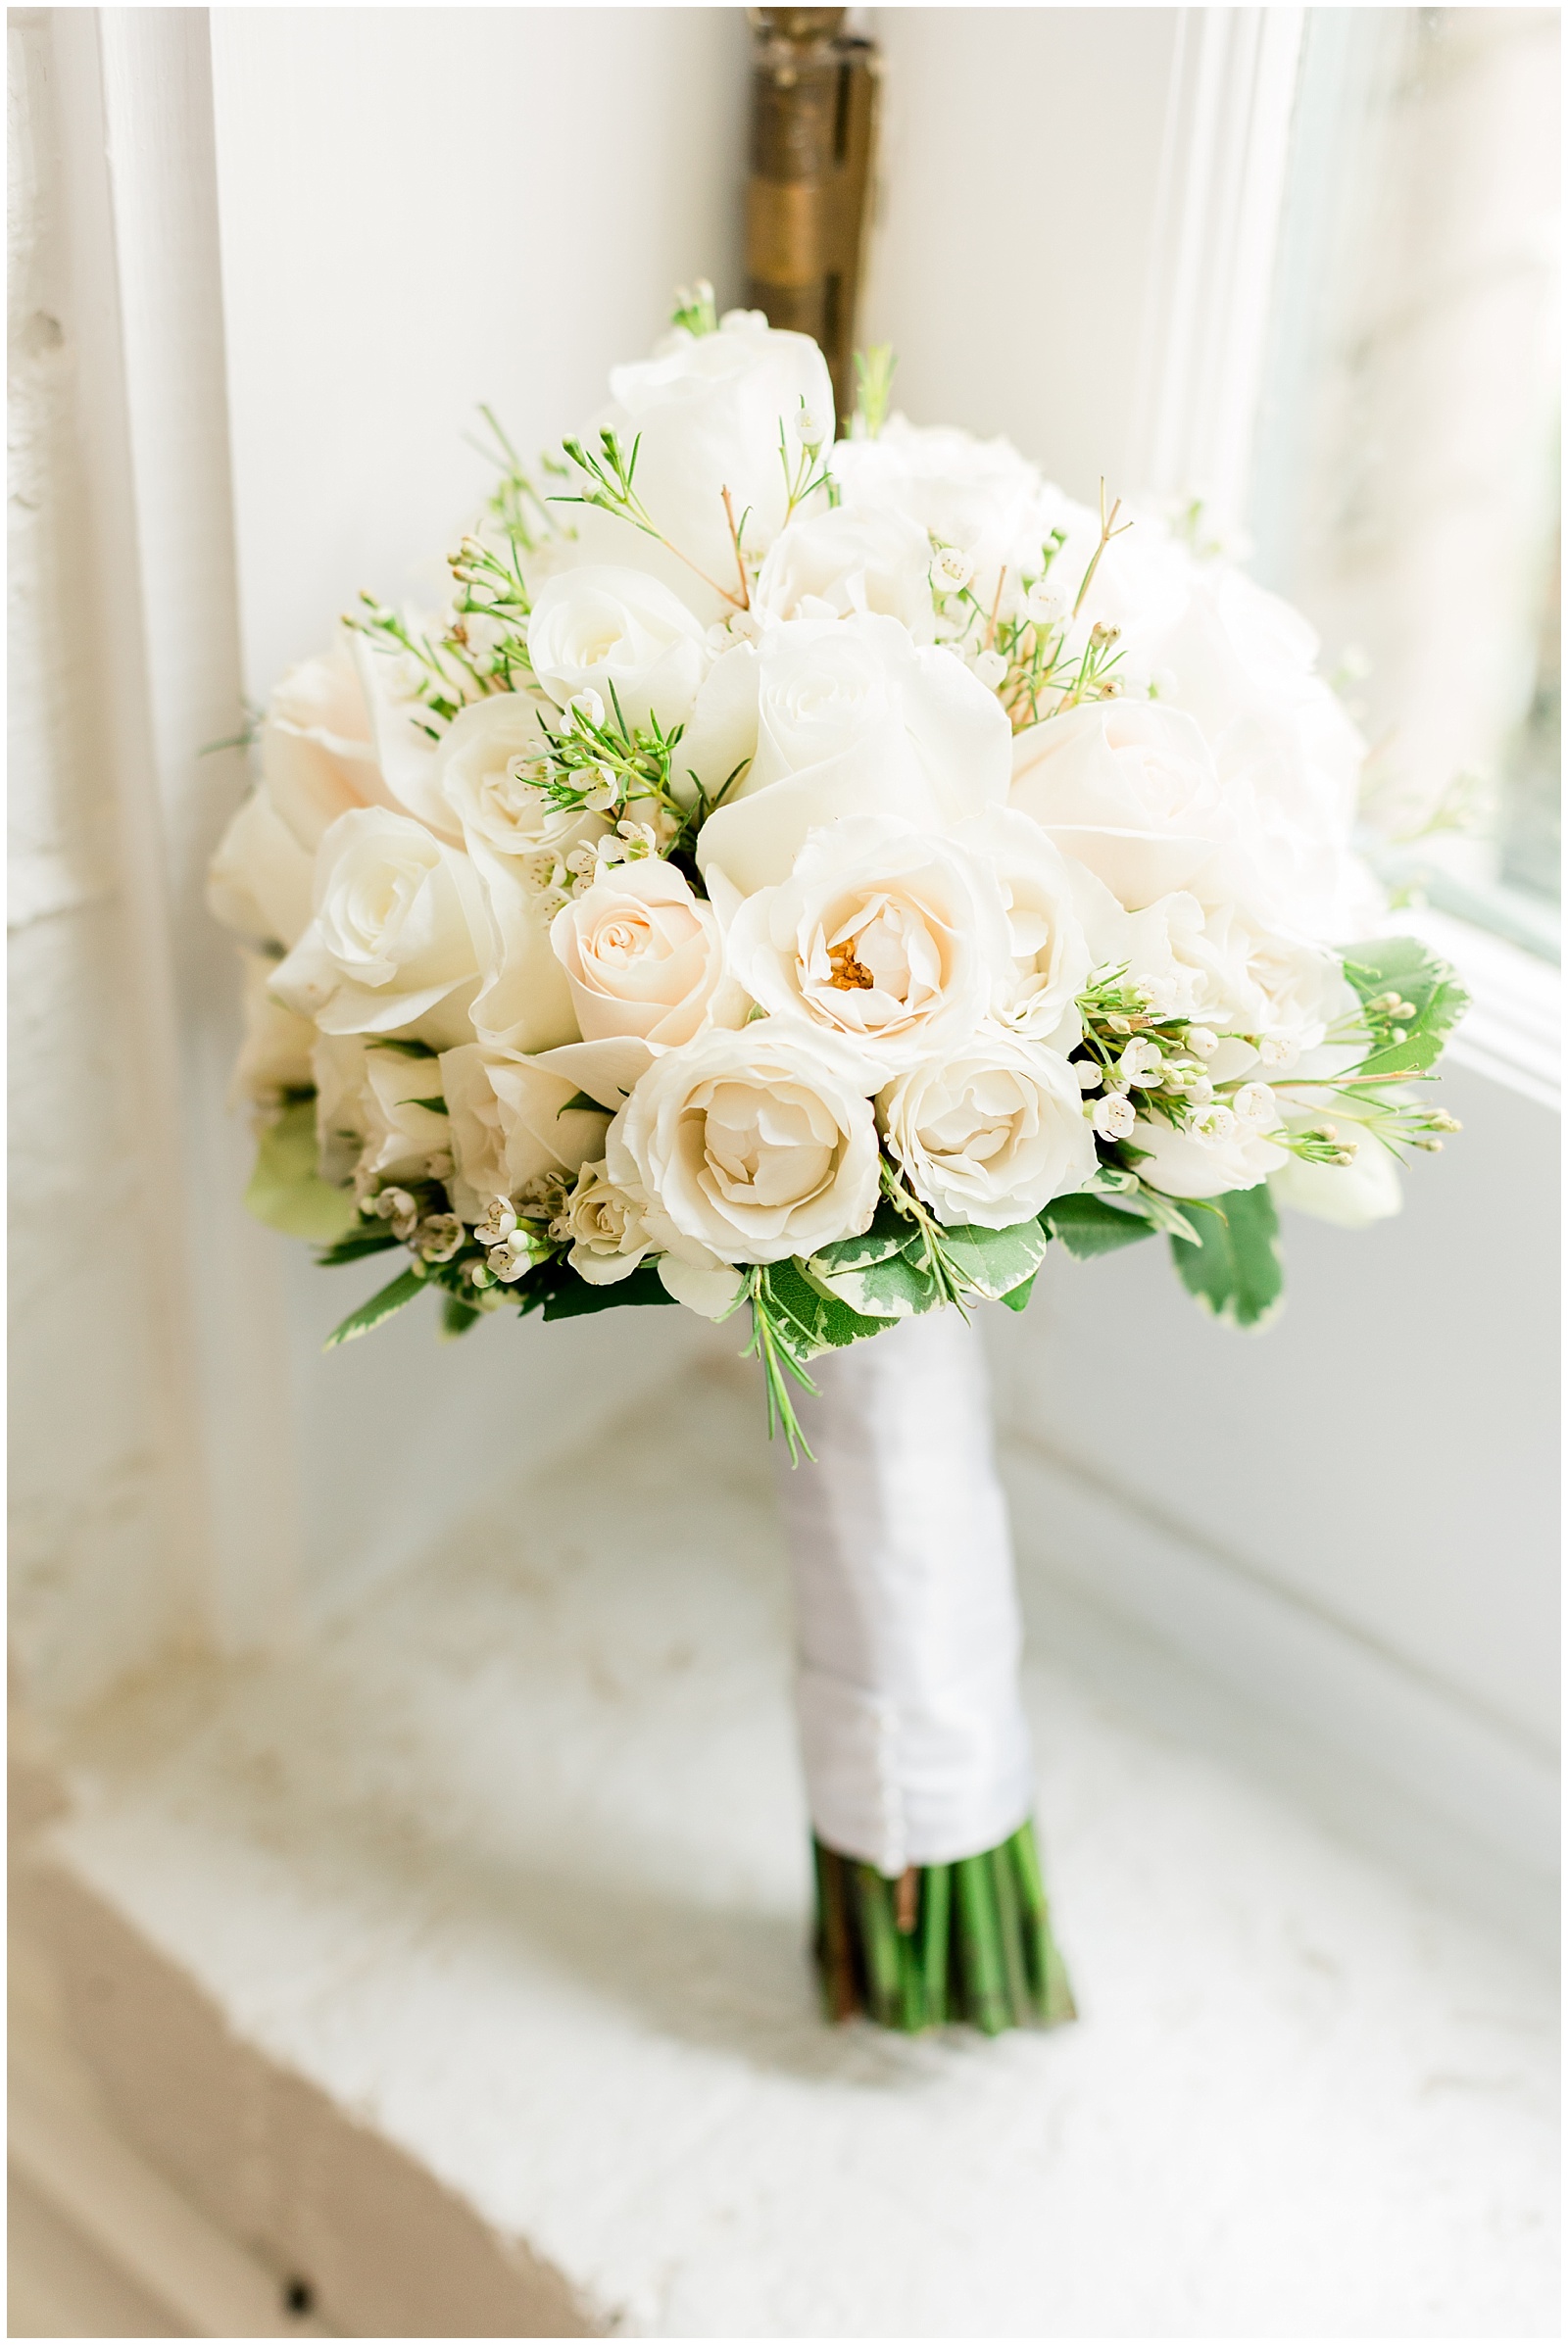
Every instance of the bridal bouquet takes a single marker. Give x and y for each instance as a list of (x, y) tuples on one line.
[(804, 878)]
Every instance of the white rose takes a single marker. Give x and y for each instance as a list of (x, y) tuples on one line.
[(1047, 900), (980, 496), (259, 881), (488, 765), (848, 560), (854, 718), (510, 1121), (990, 1133), (318, 762), (610, 1232), (1129, 788), (704, 414), (405, 731), (318, 753), (399, 932), (372, 1122), (889, 940), (1242, 664), (1350, 1196), (523, 1002), (275, 1056), (1185, 1164), (1220, 966), (759, 1144), (641, 952), (623, 635)]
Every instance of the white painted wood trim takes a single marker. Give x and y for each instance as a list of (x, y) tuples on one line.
[(1363, 1709), (137, 115), (1211, 266)]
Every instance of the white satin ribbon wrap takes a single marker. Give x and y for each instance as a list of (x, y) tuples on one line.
[(911, 1725)]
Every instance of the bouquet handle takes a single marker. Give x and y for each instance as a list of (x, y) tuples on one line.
[(930, 1903)]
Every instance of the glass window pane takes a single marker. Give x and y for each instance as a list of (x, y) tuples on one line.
[(1406, 482)]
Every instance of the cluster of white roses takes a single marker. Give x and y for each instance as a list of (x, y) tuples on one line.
[(776, 830)]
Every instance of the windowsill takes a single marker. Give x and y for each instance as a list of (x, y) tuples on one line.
[(509, 1870)]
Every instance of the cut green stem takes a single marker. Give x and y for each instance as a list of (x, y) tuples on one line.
[(968, 1941)]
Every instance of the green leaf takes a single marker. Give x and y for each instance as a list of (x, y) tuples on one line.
[(410, 1049), (1235, 1268), (1016, 1298), (359, 1242), (891, 1232), (992, 1262), (1403, 964), (813, 1319), (890, 1287), (573, 1297), (580, 1100), (381, 1306), (456, 1317), (286, 1191), (435, 1107), (1087, 1226)]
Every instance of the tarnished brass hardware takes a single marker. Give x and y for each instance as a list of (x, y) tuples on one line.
[(813, 125)]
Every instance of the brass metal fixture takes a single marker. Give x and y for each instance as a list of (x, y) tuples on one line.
[(813, 125)]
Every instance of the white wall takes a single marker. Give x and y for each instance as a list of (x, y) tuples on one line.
[(425, 208), (1021, 164)]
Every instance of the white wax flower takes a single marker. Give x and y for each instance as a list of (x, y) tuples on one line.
[(511, 1121), (990, 1133), (1114, 1117), (397, 933), (642, 953), (848, 562), (891, 942), (1129, 788), (951, 569), (371, 1124), (852, 717), (622, 636), (757, 1143)]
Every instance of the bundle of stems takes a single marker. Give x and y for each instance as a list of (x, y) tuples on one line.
[(969, 1940)]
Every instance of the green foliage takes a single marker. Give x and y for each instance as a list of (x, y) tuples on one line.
[(1234, 1268), (366, 1238), (563, 1295), (1016, 1298), (456, 1317), (991, 1263), (403, 1290), (814, 1320), (1088, 1224), (286, 1191), (1411, 1001)]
